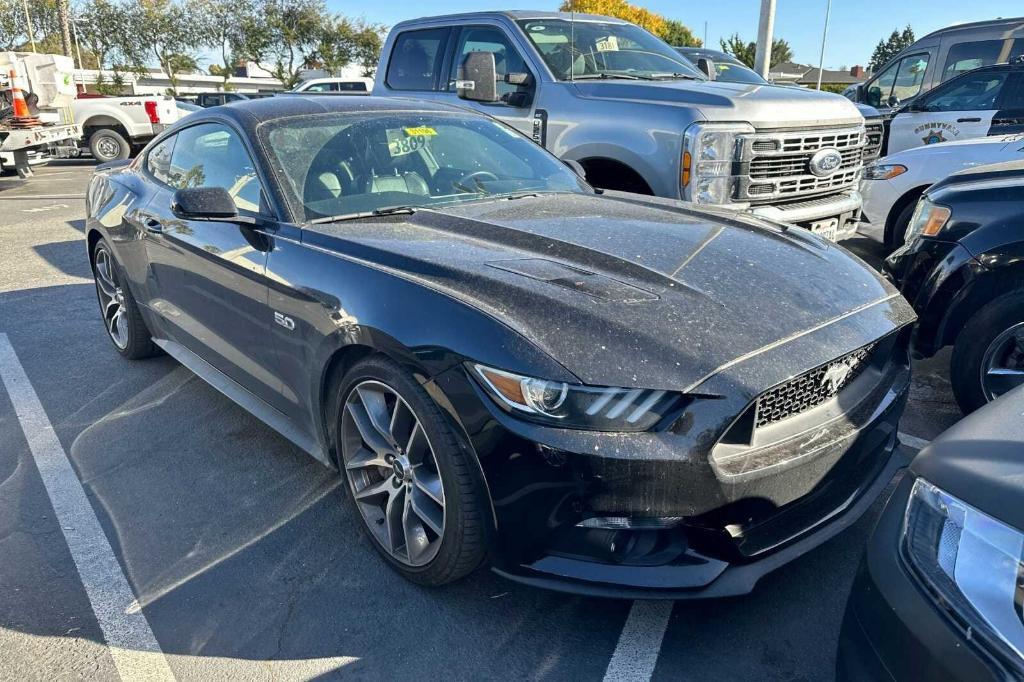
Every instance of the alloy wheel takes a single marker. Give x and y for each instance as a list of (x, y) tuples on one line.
[(111, 295), (393, 473), (1003, 365)]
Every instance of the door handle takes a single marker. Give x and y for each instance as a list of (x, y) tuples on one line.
[(153, 225), (969, 120)]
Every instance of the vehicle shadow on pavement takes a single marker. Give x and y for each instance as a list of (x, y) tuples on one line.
[(240, 547), (68, 257)]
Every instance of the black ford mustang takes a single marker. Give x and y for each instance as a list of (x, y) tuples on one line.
[(601, 393)]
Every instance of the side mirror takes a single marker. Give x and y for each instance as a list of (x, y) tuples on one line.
[(707, 67), (861, 94), (576, 167), (893, 101), (478, 78), (206, 203)]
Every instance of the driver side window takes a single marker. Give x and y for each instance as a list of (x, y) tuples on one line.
[(490, 39), (212, 155), (974, 92), (899, 82)]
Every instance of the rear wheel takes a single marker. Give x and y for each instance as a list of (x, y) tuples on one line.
[(409, 479), (108, 145), (988, 358), (121, 318)]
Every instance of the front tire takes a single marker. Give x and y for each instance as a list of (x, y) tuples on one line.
[(121, 317), (411, 482), (988, 358)]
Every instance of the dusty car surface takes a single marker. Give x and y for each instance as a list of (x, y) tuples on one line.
[(601, 393)]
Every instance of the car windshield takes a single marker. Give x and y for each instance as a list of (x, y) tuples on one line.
[(727, 67), (589, 49), (340, 164)]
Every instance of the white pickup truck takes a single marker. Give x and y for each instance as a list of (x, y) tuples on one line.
[(113, 127)]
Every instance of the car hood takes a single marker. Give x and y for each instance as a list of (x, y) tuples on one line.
[(620, 290), (763, 106)]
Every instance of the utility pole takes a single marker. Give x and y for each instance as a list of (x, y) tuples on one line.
[(64, 15), (28, 25), (824, 34), (765, 30), (705, 34)]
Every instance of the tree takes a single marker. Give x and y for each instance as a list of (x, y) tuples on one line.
[(644, 18), (221, 25), (12, 23), (677, 34), (282, 36), (739, 48), (164, 28), (342, 42), (746, 52), (887, 49)]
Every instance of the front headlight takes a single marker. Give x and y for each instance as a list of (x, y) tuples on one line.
[(573, 406), (883, 171), (711, 155), (971, 561), (928, 220)]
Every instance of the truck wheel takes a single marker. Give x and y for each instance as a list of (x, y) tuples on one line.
[(108, 145), (988, 358)]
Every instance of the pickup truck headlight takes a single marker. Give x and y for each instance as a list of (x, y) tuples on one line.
[(710, 164), (928, 220), (883, 171), (971, 562), (573, 406)]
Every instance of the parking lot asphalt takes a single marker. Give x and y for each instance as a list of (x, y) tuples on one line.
[(248, 563)]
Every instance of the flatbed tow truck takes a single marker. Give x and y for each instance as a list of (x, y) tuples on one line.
[(34, 127)]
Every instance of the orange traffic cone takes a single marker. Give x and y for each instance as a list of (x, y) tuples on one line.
[(22, 117)]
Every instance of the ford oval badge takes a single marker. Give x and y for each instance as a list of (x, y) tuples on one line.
[(826, 162)]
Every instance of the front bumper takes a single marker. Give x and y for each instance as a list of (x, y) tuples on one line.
[(844, 208), (935, 276), (893, 629), (878, 199), (725, 518)]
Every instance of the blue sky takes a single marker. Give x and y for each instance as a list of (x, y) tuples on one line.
[(854, 28)]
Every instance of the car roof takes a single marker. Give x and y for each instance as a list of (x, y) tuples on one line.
[(250, 113), (970, 26), (514, 15)]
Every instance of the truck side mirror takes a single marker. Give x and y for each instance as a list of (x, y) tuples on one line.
[(707, 67), (478, 78), (861, 94)]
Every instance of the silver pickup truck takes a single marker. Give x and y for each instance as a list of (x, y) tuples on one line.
[(636, 115)]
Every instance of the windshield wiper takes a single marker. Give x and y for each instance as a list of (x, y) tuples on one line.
[(609, 76), (375, 213), (674, 76)]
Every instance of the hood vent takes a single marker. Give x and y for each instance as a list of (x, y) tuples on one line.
[(582, 281)]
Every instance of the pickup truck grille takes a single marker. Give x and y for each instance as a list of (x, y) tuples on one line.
[(777, 165), (875, 131), (797, 164)]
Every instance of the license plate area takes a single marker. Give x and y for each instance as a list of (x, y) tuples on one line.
[(829, 229)]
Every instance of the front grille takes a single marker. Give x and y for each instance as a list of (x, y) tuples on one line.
[(875, 131), (784, 159), (812, 388), (798, 164)]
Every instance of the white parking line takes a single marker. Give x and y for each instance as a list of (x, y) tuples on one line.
[(636, 654), (639, 645), (131, 643)]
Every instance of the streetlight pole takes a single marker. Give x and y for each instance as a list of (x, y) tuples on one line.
[(765, 29), (824, 33)]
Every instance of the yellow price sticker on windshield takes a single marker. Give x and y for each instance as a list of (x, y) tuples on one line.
[(422, 131)]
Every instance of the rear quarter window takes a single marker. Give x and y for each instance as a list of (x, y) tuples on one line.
[(415, 59)]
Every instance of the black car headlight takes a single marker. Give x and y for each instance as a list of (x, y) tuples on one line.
[(574, 406), (928, 220), (971, 562)]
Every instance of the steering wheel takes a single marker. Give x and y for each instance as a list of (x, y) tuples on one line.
[(463, 183)]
